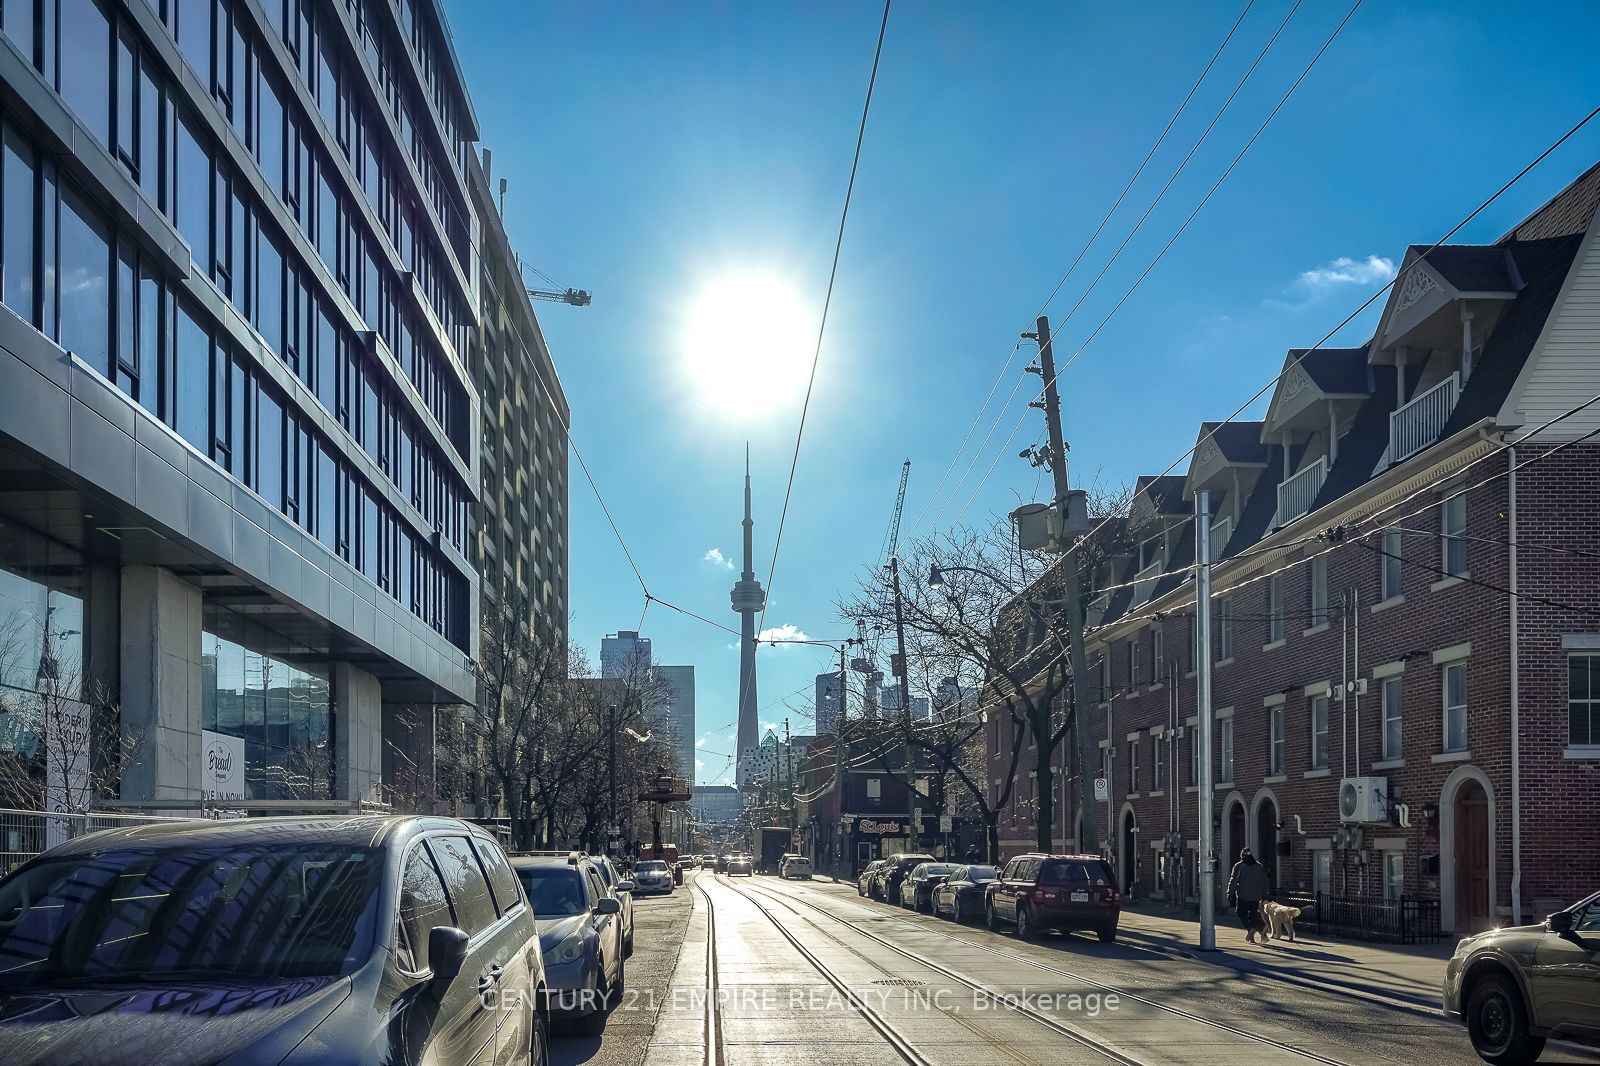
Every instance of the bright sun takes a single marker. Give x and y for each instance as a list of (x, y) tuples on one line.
[(747, 344)]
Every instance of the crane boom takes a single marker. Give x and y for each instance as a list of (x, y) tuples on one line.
[(899, 508), (575, 297)]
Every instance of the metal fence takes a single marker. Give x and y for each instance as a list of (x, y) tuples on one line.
[(1404, 920), (24, 834)]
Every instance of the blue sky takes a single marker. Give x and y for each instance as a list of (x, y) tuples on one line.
[(654, 148)]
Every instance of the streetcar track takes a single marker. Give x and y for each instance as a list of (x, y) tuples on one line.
[(713, 1031), (1134, 997), (1092, 1043)]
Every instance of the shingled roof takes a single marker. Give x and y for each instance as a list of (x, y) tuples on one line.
[(1472, 267), (1239, 442), (1340, 371)]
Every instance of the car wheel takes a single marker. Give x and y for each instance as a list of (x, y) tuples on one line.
[(1497, 1022), (594, 1023), (539, 1042), (627, 944), (1106, 934), (991, 919), (1024, 925)]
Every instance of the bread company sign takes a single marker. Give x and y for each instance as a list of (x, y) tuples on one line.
[(870, 827), (221, 766)]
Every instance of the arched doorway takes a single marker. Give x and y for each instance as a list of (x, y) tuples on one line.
[(1129, 841), (1234, 839), (1266, 845), (1470, 857)]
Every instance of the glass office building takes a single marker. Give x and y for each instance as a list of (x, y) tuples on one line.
[(240, 300)]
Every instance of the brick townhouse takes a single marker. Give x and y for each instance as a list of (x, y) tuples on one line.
[(1406, 607)]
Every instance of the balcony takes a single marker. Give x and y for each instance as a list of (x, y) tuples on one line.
[(1145, 582), (1418, 424), (1295, 495)]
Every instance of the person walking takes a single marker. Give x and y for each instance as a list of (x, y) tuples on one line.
[(1247, 887), (974, 856)]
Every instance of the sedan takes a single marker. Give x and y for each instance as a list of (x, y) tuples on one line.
[(652, 876), (580, 936), (960, 896), (740, 864), (271, 940), (795, 867), (869, 874), (1515, 988), (916, 891)]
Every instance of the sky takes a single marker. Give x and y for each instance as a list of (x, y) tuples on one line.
[(663, 155)]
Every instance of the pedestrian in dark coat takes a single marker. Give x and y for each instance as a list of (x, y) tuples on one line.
[(1247, 887), (974, 856)]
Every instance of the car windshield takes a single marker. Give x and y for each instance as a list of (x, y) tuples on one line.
[(556, 891), (1075, 873), (144, 913), (654, 866), (983, 873), (936, 869), (605, 873)]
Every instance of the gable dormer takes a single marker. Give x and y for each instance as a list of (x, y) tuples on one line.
[(1228, 461), (1155, 517), (1319, 393), (1432, 331)]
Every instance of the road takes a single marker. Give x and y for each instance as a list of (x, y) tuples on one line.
[(807, 972)]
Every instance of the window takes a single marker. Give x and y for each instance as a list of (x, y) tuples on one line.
[(423, 905), (1317, 591), (1453, 544), (1149, 552), (1583, 700), (1455, 706), (269, 292), (1391, 718), (1105, 675), (19, 26), (193, 192), (1133, 766), (1319, 733), (1394, 874), (1225, 748), (465, 883), (126, 134), (192, 418), (1391, 548), (1163, 747), (269, 449), (85, 279), (874, 788), (18, 177), (1157, 650), (1275, 741), (85, 76), (193, 31), (1275, 627), (501, 880), (1222, 620), (1194, 755), (1133, 662)]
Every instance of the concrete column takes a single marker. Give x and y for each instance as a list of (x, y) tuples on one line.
[(358, 727), (161, 694)]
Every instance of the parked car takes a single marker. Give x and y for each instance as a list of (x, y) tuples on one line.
[(1515, 988), (294, 940), (894, 871), (795, 867), (1060, 892), (916, 891), (580, 936), (869, 874), (652, 877), (740, 864), (960, 896), (621, 887)]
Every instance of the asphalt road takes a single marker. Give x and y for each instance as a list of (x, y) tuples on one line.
[(806, 972)]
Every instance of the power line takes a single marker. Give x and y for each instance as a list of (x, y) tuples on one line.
[(1470, 580), (1522, 545)]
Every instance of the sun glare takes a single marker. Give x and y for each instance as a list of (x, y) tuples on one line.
[(747, 344)]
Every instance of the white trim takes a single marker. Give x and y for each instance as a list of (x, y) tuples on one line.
[(1275, 779), (1447, 842), (1223, 662), (1133, 736), (1582, 751), (1253, 820), (1580, 642), (1106, 743), (1453, 654), (1388, 670), (1274, 699), (1320, 627), (1389, 843), (1156, 730), (1452, 756), (1309, 774), (1274, 645), (1319, 843), (1384, 605), (1449, 582), (1229, 849), (1317, 689), (1222, 712), (1390, 764)]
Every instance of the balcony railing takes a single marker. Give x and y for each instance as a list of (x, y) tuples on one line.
[(1145, 581), (1296, 493), (1418, 424)]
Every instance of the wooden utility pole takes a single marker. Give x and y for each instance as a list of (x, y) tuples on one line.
[(1081, 703)]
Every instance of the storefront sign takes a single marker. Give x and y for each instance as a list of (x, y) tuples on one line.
[(887, 829), (221, 766)]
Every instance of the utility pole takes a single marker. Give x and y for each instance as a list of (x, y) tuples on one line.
[(1080, 668), (838, 764), (613, 831), (788, 776), (897, 667), (1202, 667)]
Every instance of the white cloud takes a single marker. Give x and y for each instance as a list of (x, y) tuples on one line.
[(783, 632), (701, 742), (716, 558), (769, 725), (699, 764), (1346, 271)]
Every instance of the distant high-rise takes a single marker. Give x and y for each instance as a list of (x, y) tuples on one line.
[(749, 599), (921, 708), (827, 704), (624, 654), (676, 717)]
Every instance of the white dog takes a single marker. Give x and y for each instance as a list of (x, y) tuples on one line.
[(1279, 919)]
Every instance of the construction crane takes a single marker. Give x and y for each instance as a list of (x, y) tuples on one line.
[(899, 508), (575, 297)]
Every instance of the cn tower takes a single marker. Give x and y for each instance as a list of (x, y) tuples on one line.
[(749, 598)]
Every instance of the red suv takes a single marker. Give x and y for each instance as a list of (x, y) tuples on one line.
[(1060, 892)]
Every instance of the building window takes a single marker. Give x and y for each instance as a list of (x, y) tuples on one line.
[(1453, 544), (874, 788), (18, 220), (192, 416), (85, 279), (1583, 700), (1390, 547), (1317, 591), (1225, 748), (1394, 874), (1275, 626), (1455, 706), (1222, 620), (1149, 552), (85, 72), (1105, 675), (1157, 650), (1133, 766), (1133, 662), (1163, 748), (1194, 755), (1275, 740), (1391, 718), (1319, 733)]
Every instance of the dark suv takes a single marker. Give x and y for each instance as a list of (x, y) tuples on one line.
[(1060, 892), (895, 870), (271, 940)]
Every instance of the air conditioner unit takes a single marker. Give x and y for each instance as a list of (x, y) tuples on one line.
[(1364, 799)]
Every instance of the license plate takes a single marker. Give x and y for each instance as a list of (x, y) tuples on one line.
[(1080, 897)]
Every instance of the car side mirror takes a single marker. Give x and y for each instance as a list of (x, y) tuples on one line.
[(1559, 923), (447, 952), (624, 886), (608, 905)]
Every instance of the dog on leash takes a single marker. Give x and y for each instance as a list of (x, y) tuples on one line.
[(1279, 919)]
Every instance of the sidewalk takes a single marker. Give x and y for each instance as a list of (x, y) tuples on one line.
[(1407, 975)]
